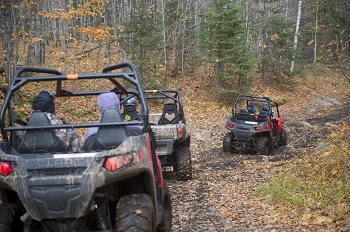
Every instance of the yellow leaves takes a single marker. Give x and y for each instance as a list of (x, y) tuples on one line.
[(274, 37), (98, 33), (322, 219), (310, 42), (121, 29), (315, 219), (35, 40), (67, 15), (334, 171), (138, 211)]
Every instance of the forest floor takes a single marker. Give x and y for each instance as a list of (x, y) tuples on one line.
[(220, 197)]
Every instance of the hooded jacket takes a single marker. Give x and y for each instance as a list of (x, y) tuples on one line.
[(104, 101)]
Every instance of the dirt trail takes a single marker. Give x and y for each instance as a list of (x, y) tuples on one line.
[(220, 196)]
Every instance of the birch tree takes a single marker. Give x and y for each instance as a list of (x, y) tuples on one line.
[(296, 36)]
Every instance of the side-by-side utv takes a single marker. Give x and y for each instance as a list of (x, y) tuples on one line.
[(115, 185)]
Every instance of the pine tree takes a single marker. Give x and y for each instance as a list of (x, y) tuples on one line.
[(223, 39), (142, 39)]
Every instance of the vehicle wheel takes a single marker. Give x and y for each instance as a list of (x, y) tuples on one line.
[(227, 143), (262, 146), (283, 139), (167, 215), (8, 220), (183, 164), (134, 213)]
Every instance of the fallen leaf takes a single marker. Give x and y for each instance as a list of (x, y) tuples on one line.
[(138, 211), (322, 219)]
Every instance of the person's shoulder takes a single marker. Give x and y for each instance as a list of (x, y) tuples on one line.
[(55, 118)]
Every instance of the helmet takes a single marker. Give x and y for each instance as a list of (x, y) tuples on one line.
[(131, 101), (265, 107), (250, 108)]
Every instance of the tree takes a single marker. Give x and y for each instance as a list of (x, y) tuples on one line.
[(8, 29), (296, 36), (224, 40)]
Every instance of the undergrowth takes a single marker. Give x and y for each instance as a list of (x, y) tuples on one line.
[(318, 184)]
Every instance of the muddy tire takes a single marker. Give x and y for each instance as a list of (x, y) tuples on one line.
[(262, 146), (183, 164), (227, 143), (167, 215), (8, 218), (283, 139), (135, 213)]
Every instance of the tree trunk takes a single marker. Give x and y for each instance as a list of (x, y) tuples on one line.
[(296, 36), (8, 30), (164, 40), (315, 39)]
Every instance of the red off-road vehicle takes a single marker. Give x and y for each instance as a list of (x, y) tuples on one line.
[(255, 125), (115, 185)]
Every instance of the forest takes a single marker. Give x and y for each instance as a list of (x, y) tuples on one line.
[(295, 51), (228, 40)]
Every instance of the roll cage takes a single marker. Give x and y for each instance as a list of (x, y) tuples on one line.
[(173, 95), (55, 76), (252, 98)]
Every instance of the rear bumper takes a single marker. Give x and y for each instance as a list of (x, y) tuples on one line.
[(165, 146), (63, 185)]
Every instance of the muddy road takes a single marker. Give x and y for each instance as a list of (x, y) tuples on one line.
[(221, 195)]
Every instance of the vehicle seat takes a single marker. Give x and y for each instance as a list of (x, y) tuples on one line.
[(41, 141), (130, 112), (109, 137), (243, 115), (264, 113), (170, 114)]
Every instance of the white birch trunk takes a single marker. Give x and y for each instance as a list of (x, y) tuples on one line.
[(315, 39), (296, 36), (164, 38)]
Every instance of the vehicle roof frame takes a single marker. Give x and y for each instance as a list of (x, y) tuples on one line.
[(19, 81)]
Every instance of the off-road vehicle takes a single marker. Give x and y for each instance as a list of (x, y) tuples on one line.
[(169, 127), (255, 125), (117, 185)]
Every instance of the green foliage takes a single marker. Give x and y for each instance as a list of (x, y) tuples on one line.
[(223, 39), (318, 184), (277, 34), (141, 37)]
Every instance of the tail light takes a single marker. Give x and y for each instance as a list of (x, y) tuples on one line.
[(180, 132), (5, 168), (230, 125), (113, 163), (260, 128)]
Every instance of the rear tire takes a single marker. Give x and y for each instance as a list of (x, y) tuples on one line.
[(183, 164), (135, 213), (167, 215), (8, 218), (227, 143), (283, 139), (262, 146)]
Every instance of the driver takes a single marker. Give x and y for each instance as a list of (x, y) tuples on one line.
[(44, 102)]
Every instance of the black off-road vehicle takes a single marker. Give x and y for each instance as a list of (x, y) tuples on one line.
[(116, 185), (169, 127), (255, 125)]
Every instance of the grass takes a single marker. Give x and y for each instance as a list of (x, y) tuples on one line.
[(318, 184)]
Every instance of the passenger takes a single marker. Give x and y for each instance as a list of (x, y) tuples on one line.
[(265, 110), (44, 102), (250, 108), (129, 110), (104, 101), (107, 101)]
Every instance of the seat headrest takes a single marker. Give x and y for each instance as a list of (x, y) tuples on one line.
[(40, 141)]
